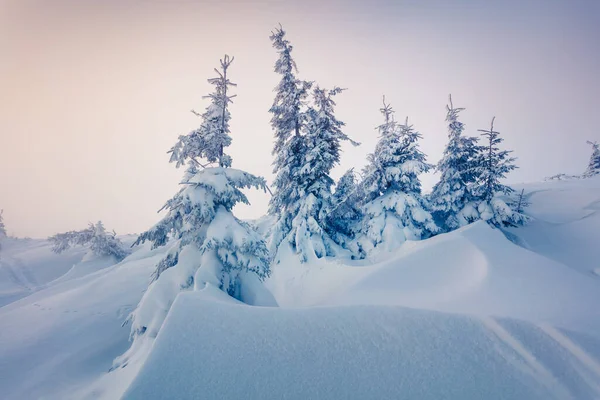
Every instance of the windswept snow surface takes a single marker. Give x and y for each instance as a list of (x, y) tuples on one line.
[(566, 225), (470, 314), (357, 352), (65, 334)]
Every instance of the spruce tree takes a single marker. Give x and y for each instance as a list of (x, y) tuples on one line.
[(395, 210), (594, 164), (307, 146), (288, 119), (322, 140), (493, 164), (209, 246), (345, 212), (452, 199), (200, 214)]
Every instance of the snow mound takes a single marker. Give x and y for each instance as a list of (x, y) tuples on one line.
[(358, 352), (566, 225), (476, 270)]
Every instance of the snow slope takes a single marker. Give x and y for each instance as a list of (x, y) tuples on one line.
[(65, 334), (358, 352), (468, 314), (28, 264), (566, 225)]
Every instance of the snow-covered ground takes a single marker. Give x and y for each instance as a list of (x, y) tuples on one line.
[(468, 314)]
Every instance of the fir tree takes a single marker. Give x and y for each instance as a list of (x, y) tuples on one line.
[(200, 214), (307, 146), (288, 119), (594, 164), (452, 198), (322, 138), (345, 210), (395, 210), (100, 242), (210, 247), (492, 166)]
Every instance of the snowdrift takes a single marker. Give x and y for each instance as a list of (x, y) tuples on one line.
[(213, 348), (566, 225)]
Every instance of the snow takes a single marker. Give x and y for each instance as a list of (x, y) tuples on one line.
[(357, 352), (566, 225), (66, 335), (476, 313)]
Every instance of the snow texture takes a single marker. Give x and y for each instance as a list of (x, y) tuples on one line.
[(358, 352)]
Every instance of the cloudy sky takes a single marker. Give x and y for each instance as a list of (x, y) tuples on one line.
[(93, 94)]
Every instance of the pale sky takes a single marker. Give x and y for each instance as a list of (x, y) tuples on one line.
[(93, 94)]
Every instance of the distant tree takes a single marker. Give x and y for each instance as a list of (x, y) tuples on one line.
[(2, 229), (492, 166), (100, 242), (2, 226), (200, 214), (395, 210), (594, 164), (452, 199), (289, 116)]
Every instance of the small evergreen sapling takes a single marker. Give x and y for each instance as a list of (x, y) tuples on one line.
[(100, 242)]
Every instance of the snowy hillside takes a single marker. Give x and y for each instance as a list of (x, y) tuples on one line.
[(469, 314)]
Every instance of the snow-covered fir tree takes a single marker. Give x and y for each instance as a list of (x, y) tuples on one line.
[(322, 141), (209, 246), (395, 210), (594, 164), (200, 214), (345, 213), (452, 199), (493, 164), (307, 146), (99, 241), (289, 115)]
